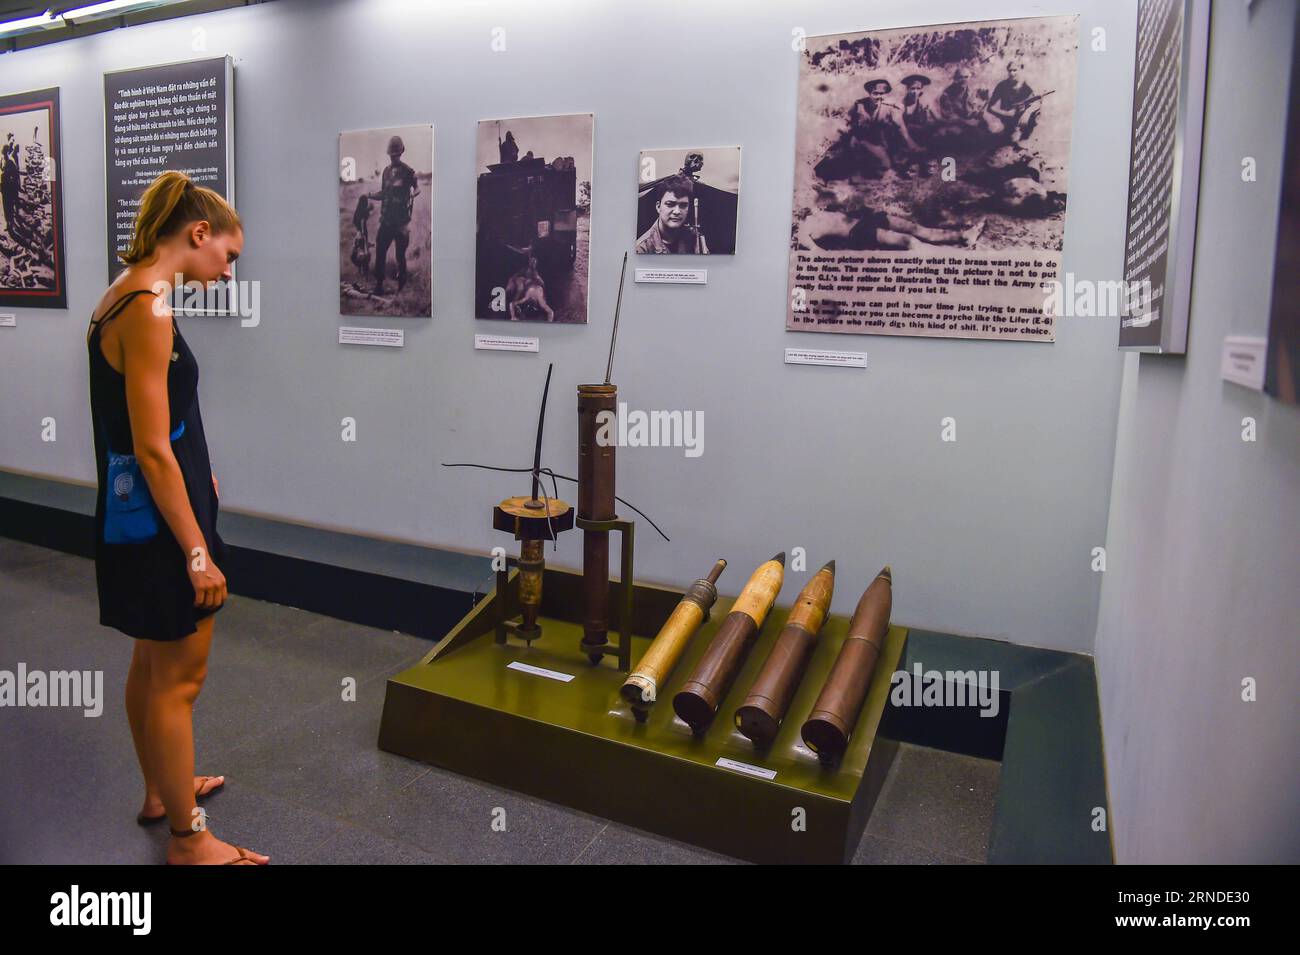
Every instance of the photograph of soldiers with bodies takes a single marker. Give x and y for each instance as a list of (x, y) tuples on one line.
[(930, 179), (31, 238), (386, 222), (534, 218), (687, 201)]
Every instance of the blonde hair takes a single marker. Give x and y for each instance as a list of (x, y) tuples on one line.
[(172, 202)]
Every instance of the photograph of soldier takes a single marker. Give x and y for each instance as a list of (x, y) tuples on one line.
[(534, 218), (687, 201), (960, 146), (1014, 108), (918, 116), (31, 237), (386, 222), (877, 135), (958, 104)]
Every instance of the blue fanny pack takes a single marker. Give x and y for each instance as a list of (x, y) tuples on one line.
[(130, 515)]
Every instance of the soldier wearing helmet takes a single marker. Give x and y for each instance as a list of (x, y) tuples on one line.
[(396, 195)]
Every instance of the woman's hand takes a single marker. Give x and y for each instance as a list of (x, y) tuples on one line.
[(215, 486), (208, 581)]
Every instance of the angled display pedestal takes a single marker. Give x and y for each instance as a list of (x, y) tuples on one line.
[(541, 719)]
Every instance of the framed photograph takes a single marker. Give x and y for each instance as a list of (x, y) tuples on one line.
[(687, 200), (534, 218), (931, 177), (386, 222), (32, 267)]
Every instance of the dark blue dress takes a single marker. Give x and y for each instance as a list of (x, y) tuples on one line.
[(144, 588)]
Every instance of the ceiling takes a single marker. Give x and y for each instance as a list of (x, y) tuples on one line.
[(159, 10)]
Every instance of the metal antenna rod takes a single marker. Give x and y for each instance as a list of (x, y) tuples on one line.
[(541, 420), (609, 368)]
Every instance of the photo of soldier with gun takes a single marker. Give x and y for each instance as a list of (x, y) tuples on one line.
[(987, 146), (388, 171), (952, 141)]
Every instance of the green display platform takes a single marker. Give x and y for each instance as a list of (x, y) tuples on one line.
[(469, 707)]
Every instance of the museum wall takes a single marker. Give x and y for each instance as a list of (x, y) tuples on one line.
[(1199, 592), (990, 534)]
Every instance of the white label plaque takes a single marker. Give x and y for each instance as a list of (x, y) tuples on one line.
[(746, 768), (393, 337), (9, 318), (507, 343), (1243, 361), (540, 671), (674, 276), (809, 356)]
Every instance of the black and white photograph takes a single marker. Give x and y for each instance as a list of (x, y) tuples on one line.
[(687, 200), (386, 222), (950, 141), (31, 239), (534, 218)]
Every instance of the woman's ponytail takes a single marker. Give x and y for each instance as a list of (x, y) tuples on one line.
[(172, 202)]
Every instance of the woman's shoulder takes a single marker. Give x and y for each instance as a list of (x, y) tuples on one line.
[(127, 300)]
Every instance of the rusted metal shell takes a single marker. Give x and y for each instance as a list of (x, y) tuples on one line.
[(830, 724)]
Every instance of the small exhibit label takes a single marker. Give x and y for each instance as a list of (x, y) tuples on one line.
[(746, 768), (507, 343), (8, 318), (540, 671), (674, 276), (393, 337), (1243, 361), (810, 356)]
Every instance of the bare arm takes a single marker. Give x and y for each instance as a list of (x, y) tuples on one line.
[(146, 341)]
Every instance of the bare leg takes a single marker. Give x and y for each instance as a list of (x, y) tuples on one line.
[(176, 673), (924, 233), (541, 301), (137, 699), (933, 236)]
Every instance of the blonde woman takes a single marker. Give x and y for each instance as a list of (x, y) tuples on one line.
[(157, 551)]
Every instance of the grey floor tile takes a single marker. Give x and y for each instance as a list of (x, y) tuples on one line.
[(287, 832), (243, 620), (458, 820), (874, 850), (621, 845), (254, 690), (353, 845), (62, 588), (938, 800), (327, 758)]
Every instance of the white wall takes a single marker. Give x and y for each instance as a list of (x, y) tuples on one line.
[(1204, 540), (991, 535)]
